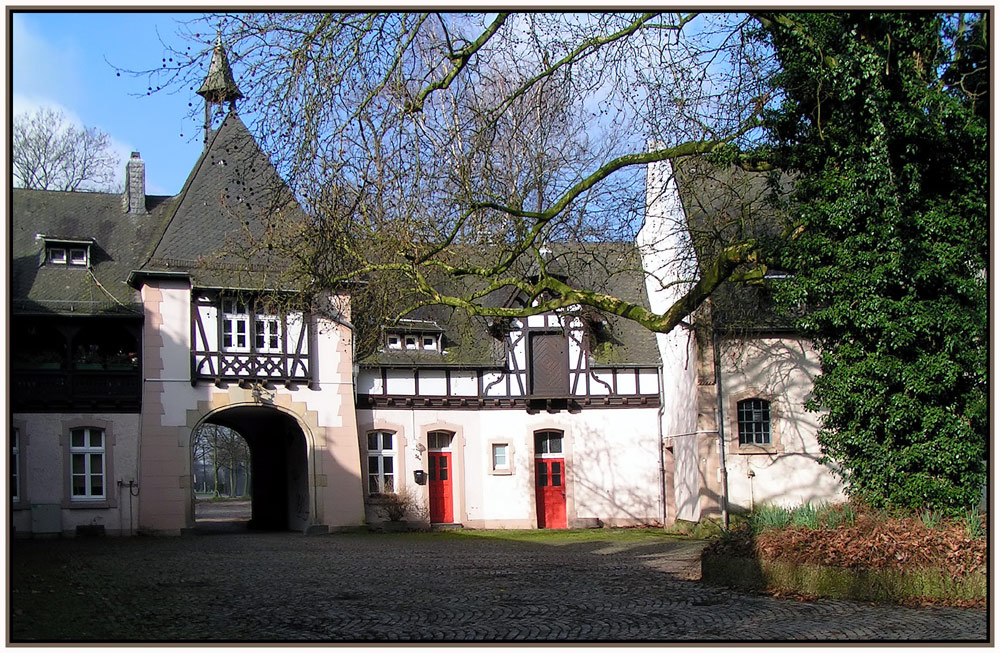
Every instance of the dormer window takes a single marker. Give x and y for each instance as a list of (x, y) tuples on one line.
[(55, 255), (72, 253), (413, 340)]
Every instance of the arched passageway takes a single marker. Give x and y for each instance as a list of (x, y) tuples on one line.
[(279, 473)]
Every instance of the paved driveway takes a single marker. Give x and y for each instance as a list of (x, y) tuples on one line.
[(433, 586)]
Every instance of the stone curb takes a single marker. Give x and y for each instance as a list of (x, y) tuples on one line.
[(881, 586)]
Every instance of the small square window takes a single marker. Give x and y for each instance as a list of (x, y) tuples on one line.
[(392, 340), (56, 255), (77, 256), (430, 342), (411, 342), (501, 460)]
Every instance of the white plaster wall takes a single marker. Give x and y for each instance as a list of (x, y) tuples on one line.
[(784, 369), (612, 460), (170, 396), (666, 250), (43, 438)]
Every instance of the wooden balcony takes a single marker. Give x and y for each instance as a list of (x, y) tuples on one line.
[(57, 391)]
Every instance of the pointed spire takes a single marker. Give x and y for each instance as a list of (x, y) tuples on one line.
[(219, 85)]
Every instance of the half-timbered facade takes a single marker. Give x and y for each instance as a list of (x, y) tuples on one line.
[(138, 319)]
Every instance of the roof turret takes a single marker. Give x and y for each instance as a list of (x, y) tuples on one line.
[(219, 85)]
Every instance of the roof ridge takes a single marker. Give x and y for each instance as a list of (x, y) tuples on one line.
[(184, 191)]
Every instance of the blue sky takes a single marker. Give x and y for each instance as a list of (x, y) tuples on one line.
[(61, 60)]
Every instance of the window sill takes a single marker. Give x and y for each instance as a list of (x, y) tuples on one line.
[(758, 449), (502, 472), (83, 504)]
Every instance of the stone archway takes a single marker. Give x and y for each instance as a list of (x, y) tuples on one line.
[(279, 465)]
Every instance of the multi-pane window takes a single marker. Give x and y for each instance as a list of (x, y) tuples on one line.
[(501, 457), (753, 417), (439, 440), (64, 254), (548, 442), (381, 458), (238, 323), (86, 450), (15, 462), (235, 325), (267, 338)]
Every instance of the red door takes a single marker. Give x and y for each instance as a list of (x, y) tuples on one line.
[(439, 487), (550, 492)]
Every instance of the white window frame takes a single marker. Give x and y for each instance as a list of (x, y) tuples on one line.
[(381, 449), (267, 332), (548, 453), (86, 453), (56, 255), (393, 341), (429, 343), (235, 314), (410, 342), (500, 465), (78, 256)]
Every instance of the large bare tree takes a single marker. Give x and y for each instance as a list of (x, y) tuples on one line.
[(51, 153), (443, 158)]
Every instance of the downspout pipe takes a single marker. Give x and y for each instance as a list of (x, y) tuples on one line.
[(663, 466), (724, 495)]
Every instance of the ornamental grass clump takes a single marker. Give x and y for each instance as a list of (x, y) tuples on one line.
[(805, 516), (768, 517)]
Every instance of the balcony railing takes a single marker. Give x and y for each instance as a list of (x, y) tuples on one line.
[(229, 366), (76, 390)]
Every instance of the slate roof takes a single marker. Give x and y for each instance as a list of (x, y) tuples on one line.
[(203, 233), (223, 209), (471, 341), (121, 243), (723, 204)]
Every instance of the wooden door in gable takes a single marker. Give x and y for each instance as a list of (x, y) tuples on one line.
[(549, 355)]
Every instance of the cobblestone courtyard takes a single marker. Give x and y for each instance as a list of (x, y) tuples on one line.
[(418, 587)]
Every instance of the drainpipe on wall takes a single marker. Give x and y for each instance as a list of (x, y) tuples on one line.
[(724, 495), (663, 467)]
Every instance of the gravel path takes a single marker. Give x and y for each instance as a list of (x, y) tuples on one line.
[(279, 587)]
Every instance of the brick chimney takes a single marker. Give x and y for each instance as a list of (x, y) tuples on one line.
[(134, 198)]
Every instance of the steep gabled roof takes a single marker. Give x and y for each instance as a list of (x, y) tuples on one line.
[(222, 213)]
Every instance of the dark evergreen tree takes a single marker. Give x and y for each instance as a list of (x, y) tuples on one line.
[(884, 118)]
